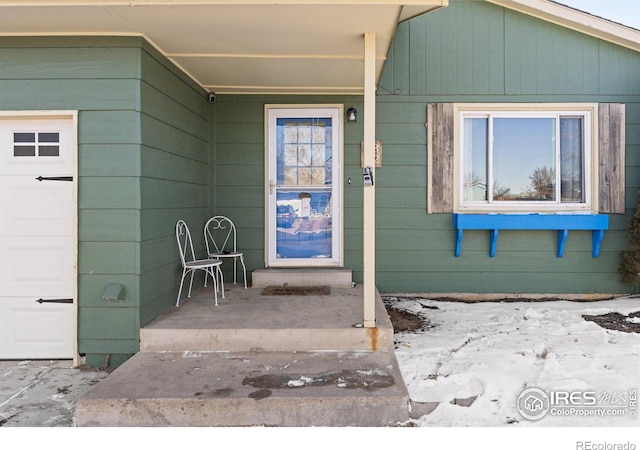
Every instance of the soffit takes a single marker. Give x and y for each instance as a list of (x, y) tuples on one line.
[(259, 46)]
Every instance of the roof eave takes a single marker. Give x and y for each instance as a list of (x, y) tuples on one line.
[(576, 20)]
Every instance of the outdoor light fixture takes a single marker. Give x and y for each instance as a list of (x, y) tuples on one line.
[(351, 114)]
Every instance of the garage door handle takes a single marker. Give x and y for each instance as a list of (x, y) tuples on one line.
[(41, 178), (55, 300)]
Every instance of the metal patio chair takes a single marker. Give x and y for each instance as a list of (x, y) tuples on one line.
[(220, 238), (190, 264)]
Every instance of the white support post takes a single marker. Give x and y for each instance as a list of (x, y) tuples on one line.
[(369, 195)]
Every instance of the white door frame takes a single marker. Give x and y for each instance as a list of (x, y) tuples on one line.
[(336, 113), (71, 115)]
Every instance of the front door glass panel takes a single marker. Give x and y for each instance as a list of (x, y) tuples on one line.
[(304, 148)]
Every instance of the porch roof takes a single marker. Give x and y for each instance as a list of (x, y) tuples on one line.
[(236, 46)]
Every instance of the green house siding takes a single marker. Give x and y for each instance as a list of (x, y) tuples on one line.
[(174, 181), (238, 172), (477, 52), (142, 164)]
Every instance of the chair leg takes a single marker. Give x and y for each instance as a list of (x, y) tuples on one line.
[(214, 285), (244, 270), (191, 283), (219, 272), (180, 290), (235, 270)]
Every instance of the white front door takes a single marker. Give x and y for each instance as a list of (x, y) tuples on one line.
[(37, 163), (304, 185)]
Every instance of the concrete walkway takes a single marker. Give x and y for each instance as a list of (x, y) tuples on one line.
[(42, 393)]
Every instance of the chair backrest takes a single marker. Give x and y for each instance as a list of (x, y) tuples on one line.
[(220, 235), (183, 236)]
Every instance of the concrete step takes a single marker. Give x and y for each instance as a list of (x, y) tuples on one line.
[(291, 389), (266, 340), (338, 277), (246, 320)]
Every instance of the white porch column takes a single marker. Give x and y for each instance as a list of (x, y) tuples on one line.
[(369, 199)]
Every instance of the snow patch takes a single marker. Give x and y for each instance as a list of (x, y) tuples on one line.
[(494, 350)]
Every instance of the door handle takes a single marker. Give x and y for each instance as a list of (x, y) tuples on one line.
[(271, 185)]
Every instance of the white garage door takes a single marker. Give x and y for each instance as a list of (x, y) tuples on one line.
[(36, 238)]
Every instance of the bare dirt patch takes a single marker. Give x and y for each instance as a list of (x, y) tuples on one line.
[(617, 321), (405, 321)]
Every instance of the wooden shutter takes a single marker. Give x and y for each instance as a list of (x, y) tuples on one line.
[(611, 166), (440, 158)]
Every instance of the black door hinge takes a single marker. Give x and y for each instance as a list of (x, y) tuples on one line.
[(41, 178), (55, 300)]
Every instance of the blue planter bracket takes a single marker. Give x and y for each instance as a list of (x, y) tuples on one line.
[(561, 223)]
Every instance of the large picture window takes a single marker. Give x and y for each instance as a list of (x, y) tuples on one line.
[(514, 158)]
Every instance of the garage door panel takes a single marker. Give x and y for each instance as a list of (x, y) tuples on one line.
[(36, 266), (41, 330), (35, 208), (35, 167)]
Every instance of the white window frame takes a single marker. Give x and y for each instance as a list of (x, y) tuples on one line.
[(589, 111)]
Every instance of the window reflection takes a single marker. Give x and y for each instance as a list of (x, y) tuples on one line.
[(571, 145), (304, 224), (524, 159), (520, 159), (475, 159)]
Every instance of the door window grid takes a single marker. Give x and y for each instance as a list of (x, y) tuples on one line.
[(36, 144), (306, 151)]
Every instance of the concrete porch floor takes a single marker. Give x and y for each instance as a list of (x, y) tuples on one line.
[(257, 360), (246, 320)]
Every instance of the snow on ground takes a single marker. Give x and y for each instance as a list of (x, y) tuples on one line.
[(496, 350)]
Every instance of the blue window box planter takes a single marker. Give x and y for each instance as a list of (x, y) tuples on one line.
[(562, 223)]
